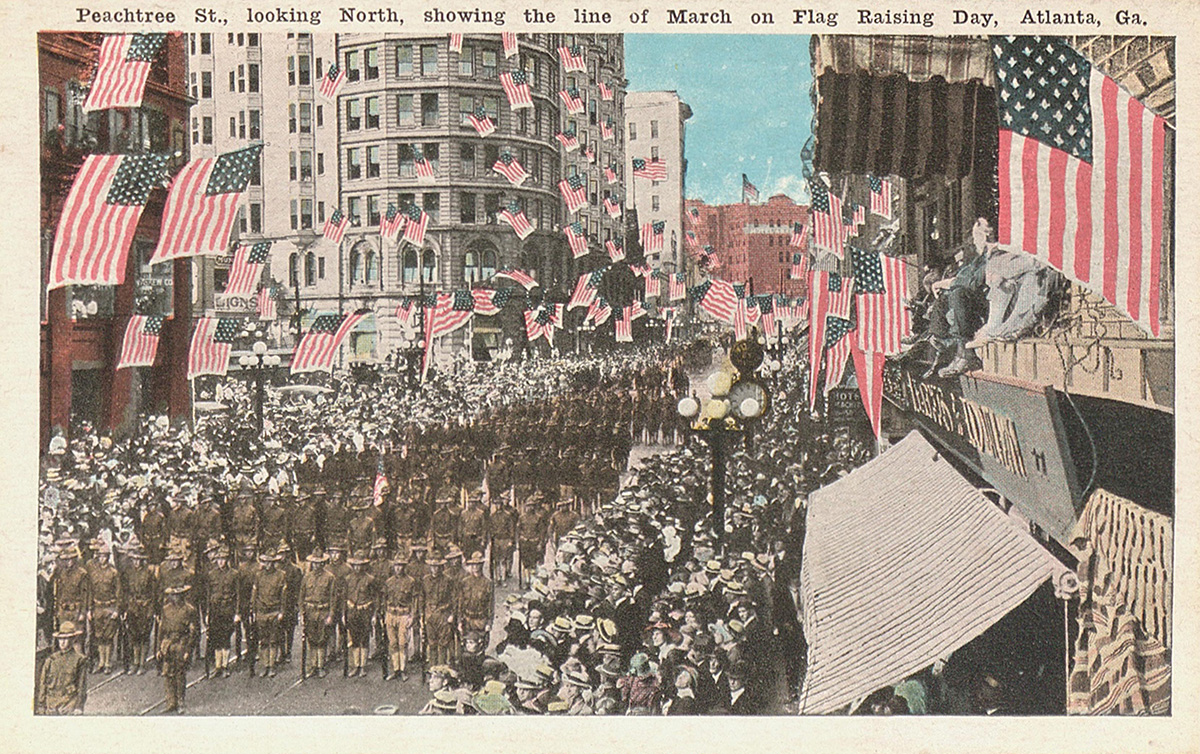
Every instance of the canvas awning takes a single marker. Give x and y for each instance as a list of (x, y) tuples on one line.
[(904, 562)]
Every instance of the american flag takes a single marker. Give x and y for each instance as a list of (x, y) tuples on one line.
[(516, 87), (406, 309), (557, 317), (868, 370), (799, 237), (576, 239), (391, 222), (515, 217), (880, 285), (655, 170), (841, 292), (612, 206), (571, 100), (606, 130), (637, 309), (599, 311), (509, 41), (587, 287), (838, 342), (489, 302), (668, 315), (318, 348), (202, 204), (456, 43), (766, 305), (718, 298), (590, 154), (653, 285), (518, 276), (639, 270), (574, 192), (423, 167), (450, 312), (691, 240), (333, 81), (860, 216), (510, 168), (677, 287), (610, 173), (379, 490), (1081, 173), (606, 92), (799, 268), (741, 318), (881, 195), (246, 268), (572, 59), (749, 190), (693, 214), (335, 226), (624, 325), (828, 229), (212, 342), (652, 236), (266, 305), (141, 341), (99, 217), (415, 224), (615, 249), (534, 328), (481, 122), (122, 70), (568, 140), (829, 296)]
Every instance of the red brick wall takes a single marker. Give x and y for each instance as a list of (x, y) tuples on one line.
[(751, 240)]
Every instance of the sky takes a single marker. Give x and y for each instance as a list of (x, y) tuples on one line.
[(750, 108)]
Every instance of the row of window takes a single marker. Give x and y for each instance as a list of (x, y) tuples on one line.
[(633, 130), (205, 41), (242, 79), (469, 162)]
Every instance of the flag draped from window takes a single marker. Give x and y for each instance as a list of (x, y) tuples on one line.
[(335, 226), (391, 222), (140, 344), (571, 100), (508, 166), (574, 192), (655, 169), (880, 286), (482, 124), (202, 204), (318, 348), (516, 88), (246, 268), (615, 249), (508, 41), (576, 239), (587, 287), (121, 71), (612, 206), (651, 236), (606, 92), (212, 342), (415, 224), (456, 41), (881, 196), (423, 167), (572, 59), (266, 305), (514, 216), (568, 140), (332, 81)]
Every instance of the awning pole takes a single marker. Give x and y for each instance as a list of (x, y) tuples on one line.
[(1066, 653)]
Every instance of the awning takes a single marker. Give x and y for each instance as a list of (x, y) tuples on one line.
[(904, 562)]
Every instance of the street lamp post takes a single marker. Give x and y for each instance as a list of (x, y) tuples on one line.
[(259, 360)]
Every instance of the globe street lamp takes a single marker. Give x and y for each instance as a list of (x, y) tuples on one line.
[(412, 347), (259, 360)]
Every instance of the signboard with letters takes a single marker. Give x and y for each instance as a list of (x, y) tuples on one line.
[(235, 303)]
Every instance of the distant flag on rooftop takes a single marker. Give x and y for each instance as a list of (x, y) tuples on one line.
[(749, 190)]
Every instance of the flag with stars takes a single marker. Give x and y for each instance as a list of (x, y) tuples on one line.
[(247, 266), (598, 311), (590, 154), (534, 328), (508, 40), (610, 173), (489, 302), (415, 223), (335, 226), (654, 169), (202, 204), (749, 190), (607, 132), (677, 287), (406, 309), (623, 326), (572, 59), (828, 228), (652, 236), (99, 217), (719, 300), (880, 287), (668, 316), (333, 81), (451, 312), (122, 70), (799, 267), (615, 248), (508, 166), (318, 348), (571, 100), (212, 342), (881, 196), (612, 205), (391, 222), (574, 192), (1081, 173), (267, 311), (518, 276), (576, 239), (568, 140), (653, 285), (606, 92), (838, 342), (516, 88), (587, 287), (799, 237), (482, 122), (423, 167), (140, 344), (514, 217)]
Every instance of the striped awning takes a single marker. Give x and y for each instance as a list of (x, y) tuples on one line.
[(904, 562)]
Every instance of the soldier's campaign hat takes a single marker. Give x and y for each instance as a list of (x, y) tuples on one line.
[(435, 561), (399, 562), (475, 559), (712, 567), (358, 557), (221, 551), (317, 556), (454, 554), (177, 589), (380, 543), (609, 648), (337, 546), (268, 556), (67, 629)]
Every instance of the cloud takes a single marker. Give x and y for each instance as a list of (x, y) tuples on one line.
[(794, 186)]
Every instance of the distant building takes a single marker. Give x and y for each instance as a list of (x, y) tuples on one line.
[(654, 126), (752, 241)]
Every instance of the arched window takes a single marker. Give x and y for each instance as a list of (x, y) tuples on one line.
[(355, 265), (372, 267), (487, 263), (429, 260), (310, 269), (294, 270), (409, 266), (479, 263)]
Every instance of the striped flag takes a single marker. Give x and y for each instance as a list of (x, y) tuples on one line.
[(590, 154), (838, 342), (828, 228), (749, 190), (140, 345), (535, 327), (766, 305), (557, 316), (572, 59), (718, 298), (607, 133), (639, 270), (212, 342), (380, 488), (333, 81), (799, 268), (335, 226), (624, 325), (456, 43), (576, 239), (514, 216), (860, 217), (405, 310), (518, 276), (509, 41), (668, 315), (599, 311), (122, 70), (829, 296), (868, 369), (571, 100), (653, 285), (799, 237), (741, 318), (637, 309), (881, 196), (516, 88), (202, 204), (489, 302), (510, 168), (615, 248), (677, 287), (574, 192), (415, 224), (610, 173), (880, 286), (690, 239), (606, 92), (318, 348), (246, 268), (612, 206), (391, 222), (568, 140), (481, 122), (423, 167), (450, 312), (655, 169), (266, 305), (1081, 173), (651, 236), (587, 287), (99, 217)]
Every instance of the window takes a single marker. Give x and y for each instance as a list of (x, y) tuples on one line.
[(632, 131), (467, 158), (291, 69), (256, 172), (206, 84), (654, 153), (353, 114), (404, 156), (305, 71), (230, 37), (372, 211), (429, 56), (320, 115), (253, 76), (242, 124), (305, 117), (371, 62), (429, 109), (653, 129), (354, 162), (241, 218), (306, 173), (409, 273), (52, 111), (466, 61), (310, 268), (306, 214), (488, 62), (295, 215), (255, 217), (431, 153), (433, 206), (255, 124), (195, 86), (321, 211), (292, 118), (373, 161), (491, 106), (466, 108), (372, 112), (429, 263), (466, 210), (491, 207), (241, 75), (354, 210), (404, 60), (404, 109), (537, 119), (356, 261), (321, 268), (292, 165), (252, 40), (655, 205), (406, 199), (592, 112), (523, 120), (206, 44), (233, 126), (491, 153), (479, 264), (320, 163), (207, 124), (294, 270), (352, 72)]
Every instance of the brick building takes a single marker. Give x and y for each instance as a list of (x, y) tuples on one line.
[(751, 241)]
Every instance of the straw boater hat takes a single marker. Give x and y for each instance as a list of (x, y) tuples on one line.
[(445, 700), (177, 589)]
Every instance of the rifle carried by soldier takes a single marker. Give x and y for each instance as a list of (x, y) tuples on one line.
[(303, 646)]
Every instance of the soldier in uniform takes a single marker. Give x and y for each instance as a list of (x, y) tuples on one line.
[(276, 520), (304, 521), (247, 573), (72, 590), (441, 604), (178, 630), (360, 586), (246, 528), (531, 534), (208, 528), (361, 527), (106, 604), (62, 681), (153, 529), (418, 569), (268, 597), (503, 530), (474, 525), (401, 602), (140, 589), (220, 607), (337, 518), (444, 526), (477, 598), (173, 572), (562, 521), (318, 591), (340, 570), (291, 612)]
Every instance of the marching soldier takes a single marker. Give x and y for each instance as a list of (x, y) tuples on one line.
[(337, 518), (418, 569), (220, 607), (360, 589), (153, 529), (341, 570), (178, 629), (503, 526), (318, 590), (106, 604), (401, 604), (72, 590), (275, 521), (140, 588), (531, 534), (291, 613), (304, 521), (440, 605), (444, 527), (173, 572), (361, 527), (247, 574), (477, 598), (562, 521), (246, 521), (62, 682), (267, 600), (474, 524), (208, 529)]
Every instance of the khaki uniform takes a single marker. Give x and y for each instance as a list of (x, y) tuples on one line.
[(360, 610), (153, 533), (140, 589), (268, 598), (441, 605), (401, 603), (72, 587), (106, 610), (62, 683), (476, 600), (221, 599), (318, 592), (474, 528), (178, 630)]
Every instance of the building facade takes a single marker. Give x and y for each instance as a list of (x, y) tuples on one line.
[(751, 241), (83, 326), (655, 128)]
